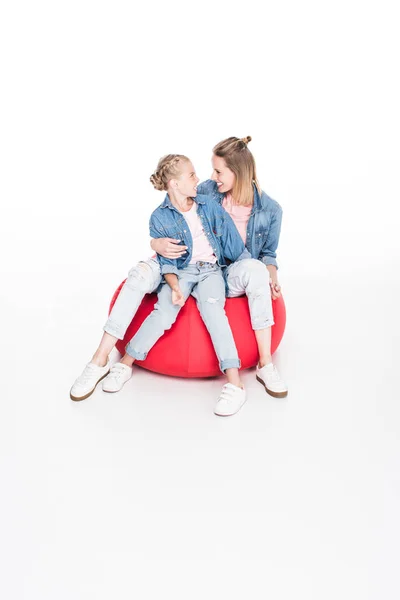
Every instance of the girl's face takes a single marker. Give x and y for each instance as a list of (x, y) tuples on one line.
[(224, 177), (187, 182)]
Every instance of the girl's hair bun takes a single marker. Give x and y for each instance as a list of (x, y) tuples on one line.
[(246, 140), (157, 182)]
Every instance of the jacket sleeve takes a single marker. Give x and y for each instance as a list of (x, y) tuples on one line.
[(232, 244), (268, 250), (167, 265)]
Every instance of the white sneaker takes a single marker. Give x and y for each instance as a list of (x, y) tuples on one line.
[(231, 399), (271, 380), (119, 374), (86, 383)]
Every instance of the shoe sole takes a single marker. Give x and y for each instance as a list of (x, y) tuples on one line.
[(270, 392), (78, 399), (231, 414)]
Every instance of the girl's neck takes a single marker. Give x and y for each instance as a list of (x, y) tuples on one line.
[(182, 203)]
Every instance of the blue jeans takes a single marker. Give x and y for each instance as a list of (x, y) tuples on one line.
[(144, 278), (251, 277), (206, 284)]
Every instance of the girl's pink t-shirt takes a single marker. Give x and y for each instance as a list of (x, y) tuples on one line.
[(239, 214)]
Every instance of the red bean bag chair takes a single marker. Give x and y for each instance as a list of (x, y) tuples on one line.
[(186, 349)]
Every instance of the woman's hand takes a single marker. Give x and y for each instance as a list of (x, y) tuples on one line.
[(168, 247), (275, 289), (177, 296), (273, 282)]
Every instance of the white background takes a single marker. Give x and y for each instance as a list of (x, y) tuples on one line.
[(146, 493)]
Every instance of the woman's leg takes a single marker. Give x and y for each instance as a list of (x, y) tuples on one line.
[(251, 277), (143, 279)]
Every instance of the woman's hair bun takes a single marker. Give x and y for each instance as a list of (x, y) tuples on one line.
[(246, 140)]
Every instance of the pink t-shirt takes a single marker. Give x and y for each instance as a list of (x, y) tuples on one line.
[(202, 249), (239, 214)]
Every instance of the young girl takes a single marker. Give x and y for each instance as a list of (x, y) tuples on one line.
[(234, 186), (210, 236)]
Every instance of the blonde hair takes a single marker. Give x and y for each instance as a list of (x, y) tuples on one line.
[(241, 162), (168, 167)]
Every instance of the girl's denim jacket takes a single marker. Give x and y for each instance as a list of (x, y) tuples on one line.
[(263, 227), (221, 231)]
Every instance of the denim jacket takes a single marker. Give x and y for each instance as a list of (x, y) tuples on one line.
[(221, 231), (263, 227)]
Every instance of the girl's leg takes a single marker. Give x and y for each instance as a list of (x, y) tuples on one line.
[(210, 296), (160, 319)]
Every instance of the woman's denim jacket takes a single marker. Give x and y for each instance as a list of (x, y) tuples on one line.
[(263, 227), (221, 231)]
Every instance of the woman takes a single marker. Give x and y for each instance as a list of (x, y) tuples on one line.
[(258, 218)]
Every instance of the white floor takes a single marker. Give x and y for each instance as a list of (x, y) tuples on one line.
[(146, 493)]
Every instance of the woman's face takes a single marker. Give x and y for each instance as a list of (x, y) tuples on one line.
[(224, 177), (187, 182)]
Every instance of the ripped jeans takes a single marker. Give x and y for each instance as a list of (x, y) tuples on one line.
[(143, 278), (251, 277), (205, 282)]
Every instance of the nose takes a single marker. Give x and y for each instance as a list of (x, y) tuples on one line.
[(214, 176)]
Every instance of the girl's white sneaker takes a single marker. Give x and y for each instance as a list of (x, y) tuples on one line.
[(119, 374), (231, 399)]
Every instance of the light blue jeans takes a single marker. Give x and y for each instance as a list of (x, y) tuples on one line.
[(144, 278), (251, 277), (205, 282)]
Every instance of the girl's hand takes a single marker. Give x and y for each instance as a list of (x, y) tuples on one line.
[(168, 247), (275, 289), (178, 297)]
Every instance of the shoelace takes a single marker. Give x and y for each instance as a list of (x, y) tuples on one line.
[(272, 374), (87, 374)]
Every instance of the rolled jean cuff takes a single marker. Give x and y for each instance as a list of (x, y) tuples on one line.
[(134, 354), (113, 329), (229, 363), (267, 323)]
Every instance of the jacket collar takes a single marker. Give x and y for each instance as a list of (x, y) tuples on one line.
[(168, 204), (256, 202)]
